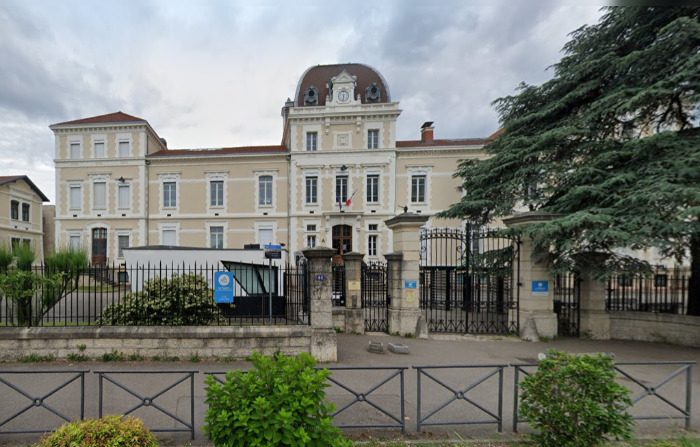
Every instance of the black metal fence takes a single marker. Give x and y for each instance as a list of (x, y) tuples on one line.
[(567, 304), (469, 280), (162, 294), (375, 296), (664, 291), (651, 399), (338, 282)]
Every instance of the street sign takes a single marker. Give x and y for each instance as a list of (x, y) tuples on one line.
[(320, 277), (223, 287), (273, 251), (539, 287), (410, 284)]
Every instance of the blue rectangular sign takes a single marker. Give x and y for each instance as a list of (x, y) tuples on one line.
[(223, 287), (539, 287), (272, 247), (410, 284)]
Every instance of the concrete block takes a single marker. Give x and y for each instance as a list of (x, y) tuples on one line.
[(398, 348), (376, 347)]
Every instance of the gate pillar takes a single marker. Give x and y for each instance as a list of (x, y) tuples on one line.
[(354, 316), (324, 343), (404, 271), (595, 320), (535, 283)]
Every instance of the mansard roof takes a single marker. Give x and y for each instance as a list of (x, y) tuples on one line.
[(116, 117), (13, 178), (319, 76)]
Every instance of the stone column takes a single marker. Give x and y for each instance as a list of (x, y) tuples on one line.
[(354, 317), (404, 309), (595, 320), (324, 344), (537, 317)]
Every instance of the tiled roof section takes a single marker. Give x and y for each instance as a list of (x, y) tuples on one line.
[(496, 134), (456, 142), (319, 76), (221, 151), (13, 178), (116, 117)]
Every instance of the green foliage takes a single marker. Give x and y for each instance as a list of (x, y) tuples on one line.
[(113, 356), (36, 358), (29, 294), (70, 262), (109, 431), (611, 143), (77, 357), (179, 300), (6, 258), (24, 257), (280, 402), (574, 401)]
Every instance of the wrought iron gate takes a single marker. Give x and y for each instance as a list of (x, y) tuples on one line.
[(469, 280), (338, 271), (567, 304), (375, 296)]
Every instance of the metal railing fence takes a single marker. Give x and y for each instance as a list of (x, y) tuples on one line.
[(664, 291)]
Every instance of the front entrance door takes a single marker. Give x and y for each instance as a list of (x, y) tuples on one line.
[(342, 239), (99, 246)]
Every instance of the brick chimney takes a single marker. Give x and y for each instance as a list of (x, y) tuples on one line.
[(426, 132)]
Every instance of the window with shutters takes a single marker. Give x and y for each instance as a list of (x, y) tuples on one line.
[(99, 149), (124, 148), (124, 197), (75, 150), (76, 198), (99, 196)]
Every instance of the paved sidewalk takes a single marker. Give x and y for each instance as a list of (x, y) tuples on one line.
[(448, 350)]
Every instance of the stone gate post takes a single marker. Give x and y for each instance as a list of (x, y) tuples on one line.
[(324, 344), (354, 318), (536, 284), (404, 309), (595, 320)]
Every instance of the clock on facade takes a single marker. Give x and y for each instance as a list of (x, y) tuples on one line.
[(343, 96)]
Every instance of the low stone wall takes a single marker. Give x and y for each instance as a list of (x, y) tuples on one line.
[(655, 327), (339, 318), (150, 341)]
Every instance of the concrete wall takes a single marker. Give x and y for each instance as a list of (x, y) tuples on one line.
[(653, 327), (232, 342)]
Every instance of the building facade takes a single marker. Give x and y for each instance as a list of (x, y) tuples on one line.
[(337, 175), (21, 220)]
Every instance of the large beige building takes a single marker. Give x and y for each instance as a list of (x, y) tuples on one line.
[(21, 220), (337, 175)]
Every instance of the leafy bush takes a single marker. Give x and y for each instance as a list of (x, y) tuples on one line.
[(179, 300), (68, 261), (6, 258), (24, 257), (574, 401), (29, 294), (280, 402), (109, 431)]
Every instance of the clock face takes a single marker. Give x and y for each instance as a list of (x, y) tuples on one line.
[(343, 96)]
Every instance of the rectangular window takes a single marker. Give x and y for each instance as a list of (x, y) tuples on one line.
[(216, 193), (418, 188), (99, 199), (373, 188), (74, 151), (99, 147), (74, 242), (216, 237), (310, 240), (14, 243), (124, 148), (341, 189), (264, 236), (311, 227), (311, 141), (312, 189), (372, 227), (372, 245), (124, 197), (265, 190), (372, 138), (169, 194), (123, 242), (25, 212), (76, 197), (14, 210), (168, 237)]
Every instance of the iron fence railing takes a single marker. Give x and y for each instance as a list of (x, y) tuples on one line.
[(457, 393), (149, 398), (161, 294), (664, 291), (678, 411), (375, 298), (567, 304)]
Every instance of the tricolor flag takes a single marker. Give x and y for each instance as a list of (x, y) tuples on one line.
[(349, 201)]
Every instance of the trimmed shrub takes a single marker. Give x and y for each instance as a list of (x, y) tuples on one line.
[(280, 402), (574, 401), (180, 300), (110, 431)]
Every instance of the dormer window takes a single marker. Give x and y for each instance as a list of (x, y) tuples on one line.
[(372, 93), (311, 96)]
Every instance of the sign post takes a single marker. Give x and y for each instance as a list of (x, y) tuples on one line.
[(272, 251), (223, 288)]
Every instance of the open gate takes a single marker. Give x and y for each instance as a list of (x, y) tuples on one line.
[(469, 280), (375, 296)]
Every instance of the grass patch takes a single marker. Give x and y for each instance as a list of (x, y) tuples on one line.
[(36, 358), (77, 357), (114, 356), (136, 357)]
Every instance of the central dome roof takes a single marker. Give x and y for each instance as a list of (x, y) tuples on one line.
[(320, 75)]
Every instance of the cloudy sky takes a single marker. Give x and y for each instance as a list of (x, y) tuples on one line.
[(216, 73)]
